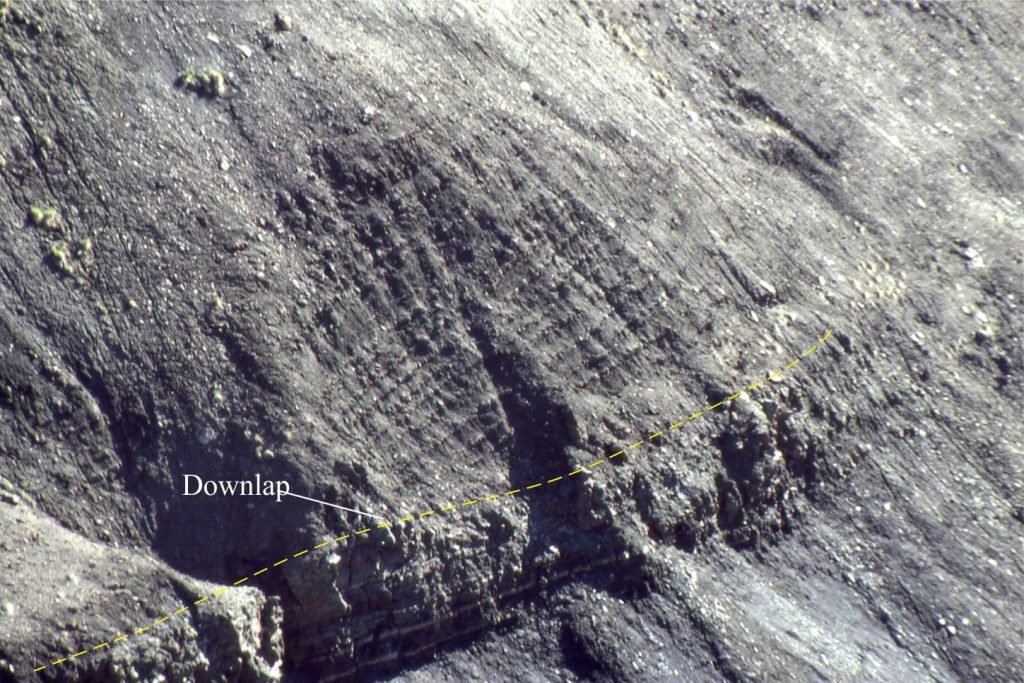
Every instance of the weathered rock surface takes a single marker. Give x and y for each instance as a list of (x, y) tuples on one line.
[(409, 255)]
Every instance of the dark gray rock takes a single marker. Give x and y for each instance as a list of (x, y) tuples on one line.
[(414, 255)]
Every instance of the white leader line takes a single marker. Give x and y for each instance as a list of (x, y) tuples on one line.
[(340, 507)]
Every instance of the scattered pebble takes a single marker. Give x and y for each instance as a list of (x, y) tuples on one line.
[(206, 435)]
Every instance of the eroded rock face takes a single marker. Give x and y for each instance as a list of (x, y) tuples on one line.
[(418, 259), (240, 640)]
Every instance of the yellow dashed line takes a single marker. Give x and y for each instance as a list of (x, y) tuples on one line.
[(38, 669), (447, 508), (240, 581)]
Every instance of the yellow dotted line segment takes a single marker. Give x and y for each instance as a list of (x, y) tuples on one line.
[(448, 508)]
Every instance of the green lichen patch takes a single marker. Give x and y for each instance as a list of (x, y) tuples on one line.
[(209, 83)]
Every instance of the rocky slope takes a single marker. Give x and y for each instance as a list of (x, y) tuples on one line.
[(411, 255)]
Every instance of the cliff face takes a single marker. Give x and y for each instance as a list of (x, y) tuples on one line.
[(415, 258)]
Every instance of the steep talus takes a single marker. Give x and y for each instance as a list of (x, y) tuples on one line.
[(406, 255)]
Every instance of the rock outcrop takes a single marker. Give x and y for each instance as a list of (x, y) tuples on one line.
[(407, 256)]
